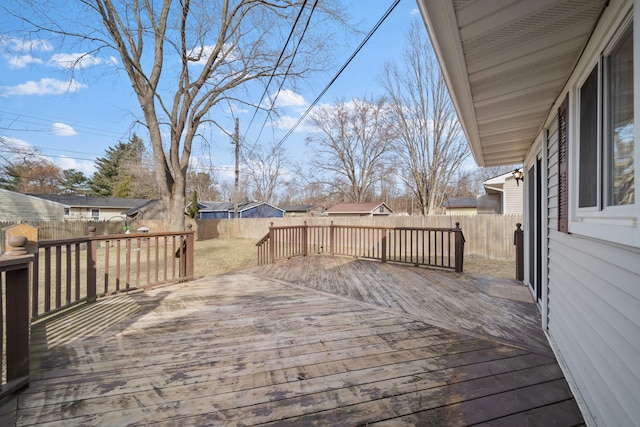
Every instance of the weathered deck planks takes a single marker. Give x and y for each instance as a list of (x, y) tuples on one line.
[(239, 349)]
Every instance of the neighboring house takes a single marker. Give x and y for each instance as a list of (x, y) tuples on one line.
[(555, 85), (302, 210), (150, 209), (225, 210), (93, 207), (22, 207), (461, 206), (507, 191), (360, 209)]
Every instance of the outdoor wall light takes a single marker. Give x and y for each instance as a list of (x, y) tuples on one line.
[(518, 176)]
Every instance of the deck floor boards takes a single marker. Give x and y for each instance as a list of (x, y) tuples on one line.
[(311, 341)]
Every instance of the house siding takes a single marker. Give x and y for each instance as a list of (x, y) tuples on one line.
[(513, 197), (594, 313), (20, 207)]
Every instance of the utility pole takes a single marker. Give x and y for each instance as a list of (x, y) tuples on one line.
[(236, 141)]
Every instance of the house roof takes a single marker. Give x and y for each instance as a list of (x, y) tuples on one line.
[(93, 201), (352, 208), (229, 206), (298, 208), (505, 63), (461, 202)]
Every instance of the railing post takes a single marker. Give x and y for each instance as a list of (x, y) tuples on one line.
[(459, 248), (385, 233), (92, 260), (190, 252), (305, 239), (518, 240), (17, 318), (332, 239), (272, 247)]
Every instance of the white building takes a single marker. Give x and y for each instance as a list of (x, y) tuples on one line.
[(555, 85)]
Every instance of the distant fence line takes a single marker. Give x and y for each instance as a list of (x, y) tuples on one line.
[(487, 236)]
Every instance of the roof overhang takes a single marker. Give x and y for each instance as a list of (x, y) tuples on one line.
[(505, 62)]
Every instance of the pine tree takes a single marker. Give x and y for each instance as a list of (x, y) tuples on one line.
[(111, 169)]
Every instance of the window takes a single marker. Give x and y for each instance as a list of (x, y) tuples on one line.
[(67, 211), (602, 150), (95, 214), (606, 175), (620, 139)]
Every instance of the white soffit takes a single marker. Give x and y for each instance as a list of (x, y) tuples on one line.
[(505, 63)]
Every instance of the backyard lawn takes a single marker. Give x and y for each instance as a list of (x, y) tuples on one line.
[(222, 255)]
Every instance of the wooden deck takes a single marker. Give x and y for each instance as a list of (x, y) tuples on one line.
[(311, 341)]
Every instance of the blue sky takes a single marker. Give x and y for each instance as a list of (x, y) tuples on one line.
[(74, 119)]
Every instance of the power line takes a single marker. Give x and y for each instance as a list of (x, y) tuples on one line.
[(286, 72), (266, 88), (353, 55)]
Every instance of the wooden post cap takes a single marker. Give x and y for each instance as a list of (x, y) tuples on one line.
[(18, 243)]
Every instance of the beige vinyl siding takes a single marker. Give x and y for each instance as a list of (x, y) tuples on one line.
[(20, 207), (513, 197), (594, 313)]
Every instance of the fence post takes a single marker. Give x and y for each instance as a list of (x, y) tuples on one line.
[(17, 320), (459, 248), (92, 260), (272, 246), (189, 259), (518, 240)]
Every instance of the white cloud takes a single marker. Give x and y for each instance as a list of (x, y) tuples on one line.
[(287, 98), (88, 167), (287, 122), (415, 11), (44, 86), (77, 60), (62, 129), (19, 45), (21, 61), (200, 55)]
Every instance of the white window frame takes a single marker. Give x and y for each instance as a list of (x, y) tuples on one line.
[(93, 217), (618, 224)]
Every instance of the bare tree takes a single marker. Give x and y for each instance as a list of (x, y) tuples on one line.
[(431, 144), (351, 146), (184, 58), (264, 169)]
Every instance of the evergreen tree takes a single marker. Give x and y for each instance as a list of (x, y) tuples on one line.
[(73, 182), (193, 207), (112, 169)]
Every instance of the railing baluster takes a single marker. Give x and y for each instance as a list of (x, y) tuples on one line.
[(68, 275)]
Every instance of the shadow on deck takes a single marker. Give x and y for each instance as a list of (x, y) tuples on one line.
[(310, 341)]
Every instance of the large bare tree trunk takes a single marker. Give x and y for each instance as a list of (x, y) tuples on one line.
[(184, 58)]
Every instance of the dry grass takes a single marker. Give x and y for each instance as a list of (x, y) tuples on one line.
[(217, 256)]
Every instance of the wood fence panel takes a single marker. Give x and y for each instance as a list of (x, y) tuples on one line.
[(487, 236)]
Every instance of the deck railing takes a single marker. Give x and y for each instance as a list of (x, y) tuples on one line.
[(70, 271), (66, 272), (435, 247)]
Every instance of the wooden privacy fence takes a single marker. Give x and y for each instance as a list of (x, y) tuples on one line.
[(487, 236), (434, 247)]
